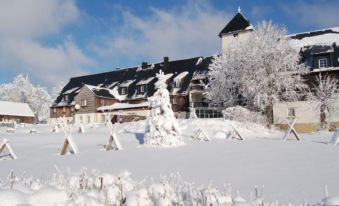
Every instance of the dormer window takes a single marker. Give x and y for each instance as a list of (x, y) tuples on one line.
[(323, 62), (142, 88), (123, 90), (66, 97)]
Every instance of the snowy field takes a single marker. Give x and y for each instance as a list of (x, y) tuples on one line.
[(290, 171)]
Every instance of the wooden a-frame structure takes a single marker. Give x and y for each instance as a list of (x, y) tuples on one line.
[(69, 144), (201, 135), (335, 138), (5, 145), (292, 130), (235, 134), (113, 141)]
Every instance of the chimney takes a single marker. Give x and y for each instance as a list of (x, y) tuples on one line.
[(166, 63), (144, 65)]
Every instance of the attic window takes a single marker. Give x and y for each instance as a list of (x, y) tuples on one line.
[(323, 62), (123, 90), (142, 88), (66, 97), (84, 102)]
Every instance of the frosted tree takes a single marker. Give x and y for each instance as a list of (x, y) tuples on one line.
[(258, 71), (22, 90), (162, 128), (325, 91), (56, 90)]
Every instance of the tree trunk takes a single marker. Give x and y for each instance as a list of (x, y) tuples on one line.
[(323, 122), (269, 115)]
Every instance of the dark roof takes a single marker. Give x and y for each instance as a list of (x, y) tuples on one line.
[(238, 23), (313, 33), (137, 74)]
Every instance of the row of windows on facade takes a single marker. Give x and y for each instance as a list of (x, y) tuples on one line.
[(83, 103)]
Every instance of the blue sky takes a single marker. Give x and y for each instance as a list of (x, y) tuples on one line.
[(54, 40)]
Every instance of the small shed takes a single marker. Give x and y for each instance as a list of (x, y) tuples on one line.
[(15, 111)]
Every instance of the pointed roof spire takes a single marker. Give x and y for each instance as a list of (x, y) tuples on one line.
[(239, 9), (237, 23)]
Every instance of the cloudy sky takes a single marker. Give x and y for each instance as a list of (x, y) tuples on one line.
[(53, 40)]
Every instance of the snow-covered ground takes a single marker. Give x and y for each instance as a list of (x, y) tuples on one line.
[(290, 171)]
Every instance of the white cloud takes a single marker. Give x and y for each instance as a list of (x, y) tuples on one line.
[(186, 31), (48, 64), (23, 22), (321, 13)]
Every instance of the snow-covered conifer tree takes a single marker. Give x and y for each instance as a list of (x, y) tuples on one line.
[(258, 71), (325, 91), (162, 128)]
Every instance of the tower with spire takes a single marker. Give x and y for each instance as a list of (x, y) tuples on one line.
[(238, 28)]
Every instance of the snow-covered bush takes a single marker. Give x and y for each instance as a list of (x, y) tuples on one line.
[(242, 114), (70, 189), (162, 127)]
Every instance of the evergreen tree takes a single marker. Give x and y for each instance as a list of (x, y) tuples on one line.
[(162, 128)]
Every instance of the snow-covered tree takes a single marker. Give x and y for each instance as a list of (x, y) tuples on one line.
[(22, 90), (56, 90), (162, 127), (258, 71), (325, 91)]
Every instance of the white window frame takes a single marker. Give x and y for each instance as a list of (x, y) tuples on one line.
[(174, 100), (142, 88), (323, 63), (123, 90), (84, 102), (291, 112)]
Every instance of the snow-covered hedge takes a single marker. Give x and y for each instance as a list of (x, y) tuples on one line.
[(92, 188), (242, 114)]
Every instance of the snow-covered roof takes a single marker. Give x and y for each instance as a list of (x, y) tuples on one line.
[(15, 109), (237, 24), (318, 37), (127, 83), (180, 76), (145, 81), (326, 69), (117, 106), (71, 90)]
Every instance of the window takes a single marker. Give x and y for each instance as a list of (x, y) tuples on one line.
[(64, 109), (235, 35), (142, 88), (102, 102), (174, 100), (177, 83), (88, 119), (123, 90), (66, 97), (322, 62), (291, 112), (54, 110), (84, 102)]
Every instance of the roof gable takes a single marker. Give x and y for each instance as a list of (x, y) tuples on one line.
[(238, 23)]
